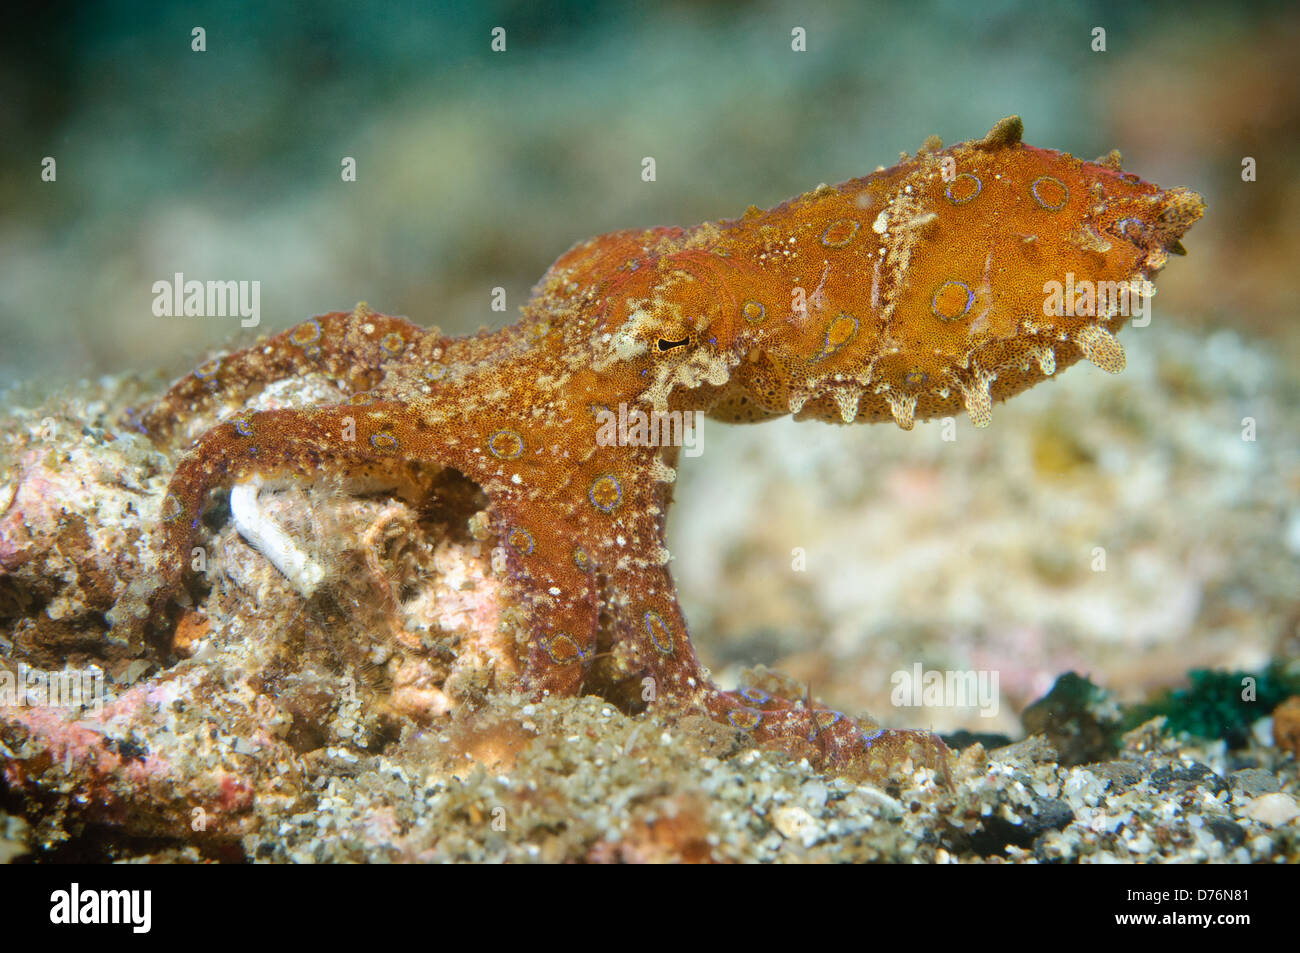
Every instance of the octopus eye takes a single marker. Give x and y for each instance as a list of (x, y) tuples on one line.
[(1134, 229), (666, 345)]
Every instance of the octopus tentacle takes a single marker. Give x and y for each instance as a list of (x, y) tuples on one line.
[(556, 600), (302, 443), (349, 346)]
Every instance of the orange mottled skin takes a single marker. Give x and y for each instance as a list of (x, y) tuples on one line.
[(915, 292)]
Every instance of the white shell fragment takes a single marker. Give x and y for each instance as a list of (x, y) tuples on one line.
[(260, 532)]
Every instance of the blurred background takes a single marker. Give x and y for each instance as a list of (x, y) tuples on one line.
[(477, 168)]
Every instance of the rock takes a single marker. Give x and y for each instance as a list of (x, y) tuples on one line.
[(1229, 832), (1031, 749), (1274, 810), (1078, 718), (1255, 781), (1120, 774), (796, 824), (1048, 814), (1193, 775), (1286, 725)]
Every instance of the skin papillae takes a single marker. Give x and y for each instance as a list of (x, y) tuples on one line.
[(915, 292)]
